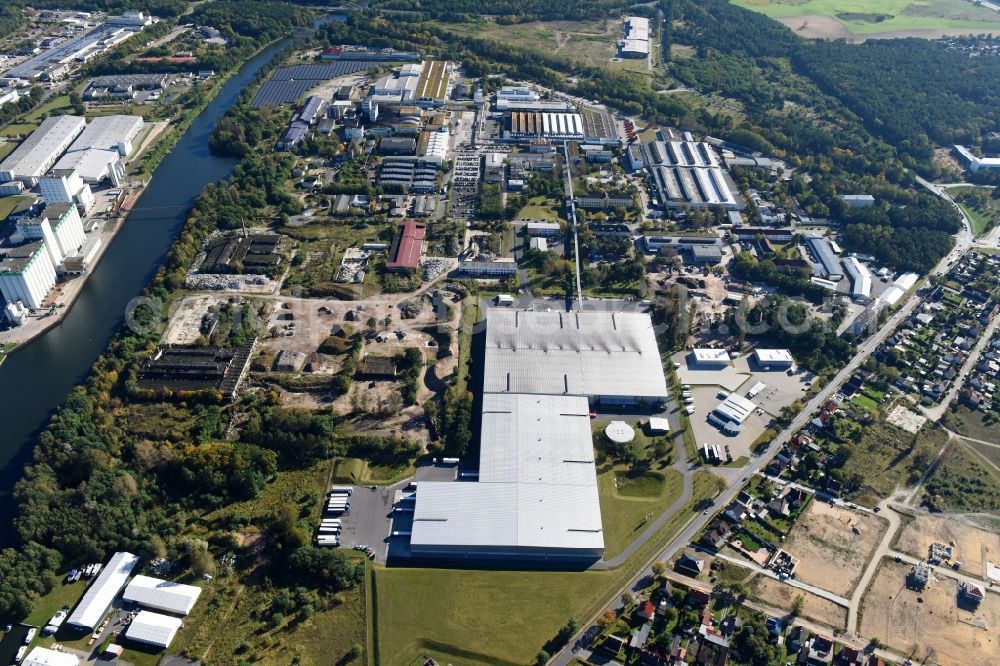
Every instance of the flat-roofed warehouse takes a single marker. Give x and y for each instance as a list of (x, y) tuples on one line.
[(99, 152), (533, 125), (163, 595), (609, 357), (773, 358), (36, 154), (97, 599), (153, 629), (688, 173), (537, 491), (732, 413)]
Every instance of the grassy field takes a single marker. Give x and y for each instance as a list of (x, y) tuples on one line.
[(591, 42), (887, 457), (359, 472), (7, 148), (63, 594), (7, 204), (476, 617), (966, 480), (863, 17), (628, 504), (972, 424), (540, 208), (981, 216)]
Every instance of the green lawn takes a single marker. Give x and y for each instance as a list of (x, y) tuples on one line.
[(982, 217), (60, 103), (7, 204), (976, 425), (17, 129), (539, 208), (476, 617), (7, 148), (863, 401), (63, 594), (628, 505), (862, 17)]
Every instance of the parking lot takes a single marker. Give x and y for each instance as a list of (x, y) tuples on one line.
[(709, 386), (370, 520)]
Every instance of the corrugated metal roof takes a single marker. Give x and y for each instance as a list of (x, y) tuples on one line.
[(153, 628), (98, 597), (578, 353), (162, 594), (537, 484)]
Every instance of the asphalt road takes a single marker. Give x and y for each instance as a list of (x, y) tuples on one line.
[(964, 241)]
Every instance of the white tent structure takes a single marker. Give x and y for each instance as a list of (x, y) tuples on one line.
[(162, 595), (153, 629), (97, 599)]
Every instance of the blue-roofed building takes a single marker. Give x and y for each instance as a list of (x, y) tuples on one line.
[(828, 264), (294, 135), (311, 110)]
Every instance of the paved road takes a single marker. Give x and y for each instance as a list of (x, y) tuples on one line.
[(936, 412), (963, 242)]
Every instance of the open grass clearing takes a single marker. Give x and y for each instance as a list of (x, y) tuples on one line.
[(8, 204), (963, 482), (630, 503), (887, 457), (63, 594), (974, 424), (18, 129), (483, 617)]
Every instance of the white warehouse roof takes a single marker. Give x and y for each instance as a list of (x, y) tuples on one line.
[(735, 408), (153, 629), (861, 277), (97, 599), (108, 131), (711, 356), (162, 595), (769, 356), (591, 354), (42, 148), (40, 656), (537, 488)]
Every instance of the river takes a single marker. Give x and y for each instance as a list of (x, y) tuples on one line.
[(37, 378)]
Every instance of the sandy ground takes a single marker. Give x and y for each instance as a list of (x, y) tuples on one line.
[(972, 546), (778, 594), (184, 327), (833, 556), (936, 626)]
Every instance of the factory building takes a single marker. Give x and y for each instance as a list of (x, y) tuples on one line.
[(427, 83), (536, 497), (861, 279), (27, 275), (827, 265), (688, 173), (635, 38), (533, 125), (59, 226), (96, 601), (517, 94), (404, 256), (66, 186), (610, 358), (36, 154), (99, 152), (975, 162)]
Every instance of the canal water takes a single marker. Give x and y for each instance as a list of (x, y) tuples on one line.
[(37, 378)]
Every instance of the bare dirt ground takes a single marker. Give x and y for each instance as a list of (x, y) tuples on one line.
[(185, 324), (778, 594), (834, 545), (936, 627), (819, 27), (972, 546)]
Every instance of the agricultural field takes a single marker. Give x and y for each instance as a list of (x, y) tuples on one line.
[(858, 19), (972, 545), (934, 629), (781, 595), (834, 546)]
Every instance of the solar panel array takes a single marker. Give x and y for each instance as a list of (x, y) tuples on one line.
[(289, 84)]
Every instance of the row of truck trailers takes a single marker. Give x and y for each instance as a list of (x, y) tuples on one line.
[(338, 503)]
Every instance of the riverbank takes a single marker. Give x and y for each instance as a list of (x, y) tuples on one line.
[(156, 145)]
